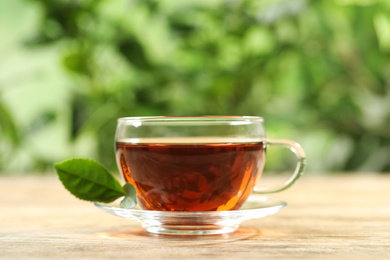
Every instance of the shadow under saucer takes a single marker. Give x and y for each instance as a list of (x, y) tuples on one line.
[(138, 234)]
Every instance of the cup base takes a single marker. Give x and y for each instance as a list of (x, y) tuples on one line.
[(190, 230)]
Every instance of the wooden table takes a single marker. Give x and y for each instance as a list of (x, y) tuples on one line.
[(343, 217)]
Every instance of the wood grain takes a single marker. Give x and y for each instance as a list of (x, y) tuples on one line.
[(346, 216)]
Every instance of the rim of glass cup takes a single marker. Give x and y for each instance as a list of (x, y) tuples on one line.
[(190, 118)]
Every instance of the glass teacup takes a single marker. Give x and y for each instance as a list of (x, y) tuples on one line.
[(204, 163)]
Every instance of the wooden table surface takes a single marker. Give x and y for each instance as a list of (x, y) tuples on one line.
[(340, 217)]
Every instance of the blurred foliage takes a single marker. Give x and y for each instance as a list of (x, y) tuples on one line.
[(317, 71)]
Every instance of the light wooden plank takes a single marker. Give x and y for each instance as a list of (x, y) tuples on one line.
[(345, 216)]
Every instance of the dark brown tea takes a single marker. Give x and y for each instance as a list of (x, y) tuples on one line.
[(191, 177)]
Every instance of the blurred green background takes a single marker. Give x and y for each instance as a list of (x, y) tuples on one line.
[(317, 71)]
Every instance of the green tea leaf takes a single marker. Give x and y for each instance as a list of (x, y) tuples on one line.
[(89, 180), (130, 200)]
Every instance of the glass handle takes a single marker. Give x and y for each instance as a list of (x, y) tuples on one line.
[(301, 163)]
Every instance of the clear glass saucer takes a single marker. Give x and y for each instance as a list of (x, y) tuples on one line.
[(197, 223)]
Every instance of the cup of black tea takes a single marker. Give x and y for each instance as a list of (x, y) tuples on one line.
[(202, 163)]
